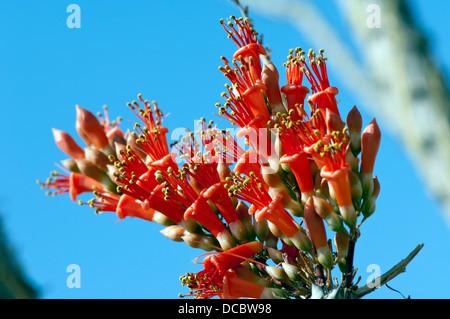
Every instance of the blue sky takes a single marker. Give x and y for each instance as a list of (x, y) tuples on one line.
[(169, 51)]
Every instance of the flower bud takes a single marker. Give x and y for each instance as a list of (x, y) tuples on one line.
[(98, 158), (261, 229), (341, 241), (89, 169), (67, 144), (277, 273), (275, 255), (245, 217), (354, 123), (292, 271), (71, 165), (270, 78), (355, 187), (207, 243), (370, 143), (316, 228), (325, 211), (174, 232), (90, 130), (334, 122)]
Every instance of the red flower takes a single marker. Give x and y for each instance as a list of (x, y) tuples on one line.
[(250, 190), (209, 282), (323, 95), (74, 184), (294, 90)]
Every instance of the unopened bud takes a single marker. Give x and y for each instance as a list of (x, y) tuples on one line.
[(204, 242), (341, 241), (90, 129), (98, 158), (71, 165), (261, 229), (245, 217), (89, 169), (292, 271), (354, 123), (174, 232), (277, 273), (316, 228), (326, 211), (270, 78), (67, 144), (275, 255), (355, 187), (333, 121), (370, 143)]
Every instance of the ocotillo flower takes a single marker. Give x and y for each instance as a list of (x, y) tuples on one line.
[(291, 134), (330, 155), (294, 90), (74, 184), (249, 189), (235, 287), (111, 128), (322, 93), (151, 138), (209, 282), (246, 39)]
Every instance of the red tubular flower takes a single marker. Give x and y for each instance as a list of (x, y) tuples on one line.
[(277, 215), (294, 91), (152, 137), (201, 212), (67, 144), (339, 181), (248, 163), (232, 257), (129, 207), (209, 282), (74, 184), (260, 140), (235, 287), (111, 128), (90, 129), (246, 39), (300, 166), (330, 153), (218, 195), (247, 86), (323, 94), (318, 234), (250, 190), (293, 136), (104, 202)]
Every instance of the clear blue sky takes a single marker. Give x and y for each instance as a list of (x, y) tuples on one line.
[(168, 51)]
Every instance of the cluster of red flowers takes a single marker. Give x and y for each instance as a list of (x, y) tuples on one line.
[(302, 172)]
